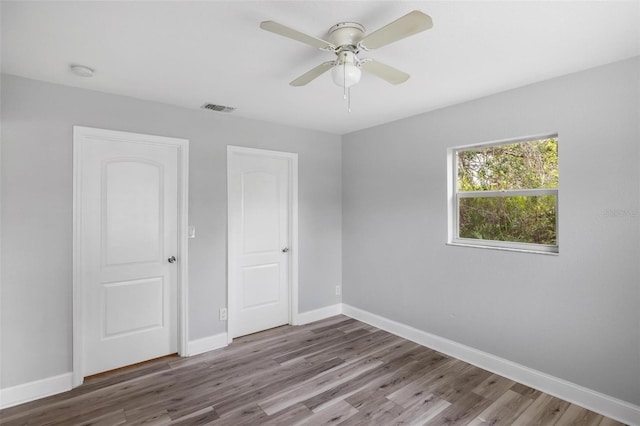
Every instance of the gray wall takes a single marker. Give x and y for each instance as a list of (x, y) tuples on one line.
[(36, 291), (576, 315)]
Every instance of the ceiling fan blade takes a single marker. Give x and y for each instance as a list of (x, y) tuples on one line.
[(385, 72), (283, 30), (313, 74), (408, 25)]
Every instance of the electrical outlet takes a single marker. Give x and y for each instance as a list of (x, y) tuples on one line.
[(338, 290), (223, 314)]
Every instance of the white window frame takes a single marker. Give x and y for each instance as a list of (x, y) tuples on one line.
[(455, 196)]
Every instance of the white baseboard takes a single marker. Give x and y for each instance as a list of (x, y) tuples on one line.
[(31, 391), (317, 314), (206, 344), (600, 403), (26, 392)]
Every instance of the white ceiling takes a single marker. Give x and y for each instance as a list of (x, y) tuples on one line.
[(188, 53)]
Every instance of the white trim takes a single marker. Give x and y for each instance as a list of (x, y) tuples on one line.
[(595, 401), (536, 192), (182, 146), (206, 344), (294, 296), (506, 141), (505, 245), (183, 245), (293, 267), (37, 389), (460, 242), (318, 314)]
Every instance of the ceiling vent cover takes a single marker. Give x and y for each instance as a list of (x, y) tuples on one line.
[(219, 108)]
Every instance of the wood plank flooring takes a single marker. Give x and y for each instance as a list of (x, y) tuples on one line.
[(338, 371)]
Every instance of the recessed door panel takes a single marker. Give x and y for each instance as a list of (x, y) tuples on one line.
[(260, 212), (260, 285), (133, 213), (133, 306)]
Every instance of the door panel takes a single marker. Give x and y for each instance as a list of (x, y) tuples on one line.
[(132, 212), (133, 306), (260, 212), (260, 286), (259, 230), (129, 228)]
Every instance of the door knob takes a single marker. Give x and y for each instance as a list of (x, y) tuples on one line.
[(172, 259), (285, 249)]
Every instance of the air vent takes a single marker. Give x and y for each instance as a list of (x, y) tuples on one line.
[(219, 108)]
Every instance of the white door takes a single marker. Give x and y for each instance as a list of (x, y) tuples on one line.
[(259, 197), (128, 213)]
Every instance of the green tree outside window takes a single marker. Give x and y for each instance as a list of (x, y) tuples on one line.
[(502, 192)]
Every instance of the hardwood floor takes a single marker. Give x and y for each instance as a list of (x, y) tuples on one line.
[(335, 371)]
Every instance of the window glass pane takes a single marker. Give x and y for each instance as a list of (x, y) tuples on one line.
[(521, 165), (522, 219)]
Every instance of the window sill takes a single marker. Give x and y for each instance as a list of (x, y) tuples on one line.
[(503, 248)]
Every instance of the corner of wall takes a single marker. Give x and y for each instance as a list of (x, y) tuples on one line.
[(206, 344), (317, 314)]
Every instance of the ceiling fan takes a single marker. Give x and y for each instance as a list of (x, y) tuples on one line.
[(347, 40)]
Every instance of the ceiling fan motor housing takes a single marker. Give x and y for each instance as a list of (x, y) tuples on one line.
[(346, 35)]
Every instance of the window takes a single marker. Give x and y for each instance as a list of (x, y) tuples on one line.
[(505, 195)]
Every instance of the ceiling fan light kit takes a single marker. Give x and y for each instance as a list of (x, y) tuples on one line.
[(346, 40), (346, 72)]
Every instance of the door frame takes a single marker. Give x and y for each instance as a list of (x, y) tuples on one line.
[(293, 230), (182, 145)]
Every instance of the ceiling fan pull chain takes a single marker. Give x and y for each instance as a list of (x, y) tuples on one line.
[(349, 100), (344, 77)]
